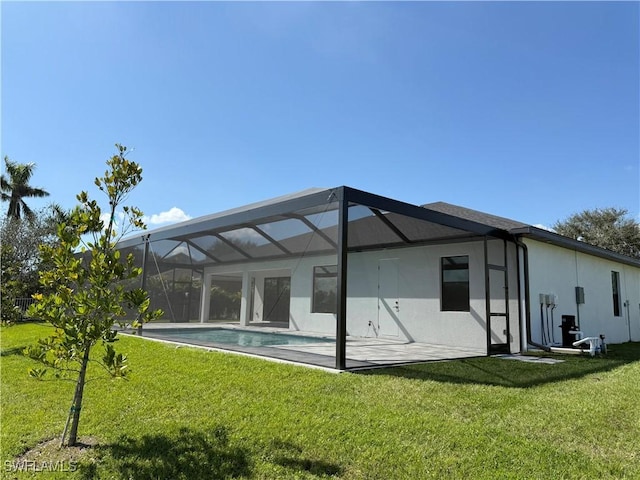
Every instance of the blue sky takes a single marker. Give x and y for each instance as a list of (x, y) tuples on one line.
[(524, 110)]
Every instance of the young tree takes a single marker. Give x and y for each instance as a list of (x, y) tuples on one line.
[(608, 228), (87, 284), (15, 188)]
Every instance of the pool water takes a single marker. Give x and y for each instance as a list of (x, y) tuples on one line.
[(242, 338)]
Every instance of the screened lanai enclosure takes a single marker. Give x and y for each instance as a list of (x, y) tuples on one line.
[(339, 277)]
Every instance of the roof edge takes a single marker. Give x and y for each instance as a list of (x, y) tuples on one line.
[(546, 236)]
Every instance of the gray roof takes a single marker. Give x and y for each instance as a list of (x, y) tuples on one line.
[(475, 215)]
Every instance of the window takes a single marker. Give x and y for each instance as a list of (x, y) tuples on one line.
[(615, 286), (455, 284), (325, 289)]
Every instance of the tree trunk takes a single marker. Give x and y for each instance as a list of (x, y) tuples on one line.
[(77, 399)]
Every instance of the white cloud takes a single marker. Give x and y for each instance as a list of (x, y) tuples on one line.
[(179, 250), (544, 227), (248, 234), (173, 215), (118, 219), (105, 218)]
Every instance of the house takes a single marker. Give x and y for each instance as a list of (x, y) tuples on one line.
[(385, 276)]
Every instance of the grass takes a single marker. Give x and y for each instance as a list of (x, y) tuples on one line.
[(188, 413)]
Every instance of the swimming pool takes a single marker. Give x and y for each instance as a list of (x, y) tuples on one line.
[(229, 336)]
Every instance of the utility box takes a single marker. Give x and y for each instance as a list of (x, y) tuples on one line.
[(568, 325), (579, 295)]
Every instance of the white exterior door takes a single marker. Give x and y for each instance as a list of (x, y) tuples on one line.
[(388, 298)]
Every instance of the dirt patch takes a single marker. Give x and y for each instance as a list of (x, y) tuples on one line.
[(50, 453)]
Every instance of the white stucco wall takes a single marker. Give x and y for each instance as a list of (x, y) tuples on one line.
[(419, 317), (419, 295), (557, 270)]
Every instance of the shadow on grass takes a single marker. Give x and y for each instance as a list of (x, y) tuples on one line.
[(288, 455), (5, 352), (513, 373), (187, 454)]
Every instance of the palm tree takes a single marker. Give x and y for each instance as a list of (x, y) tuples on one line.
[(15, 187)]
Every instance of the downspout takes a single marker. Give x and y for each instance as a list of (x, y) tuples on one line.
[(525, 255)]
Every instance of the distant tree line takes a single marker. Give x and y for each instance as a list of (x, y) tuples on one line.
[(609, 228)]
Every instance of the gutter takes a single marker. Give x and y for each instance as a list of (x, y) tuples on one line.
[(527, 296), (572, 244)]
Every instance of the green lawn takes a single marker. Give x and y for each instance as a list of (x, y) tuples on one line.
[(191, 414)]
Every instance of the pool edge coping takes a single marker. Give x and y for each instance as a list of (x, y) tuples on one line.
[(234, 352)]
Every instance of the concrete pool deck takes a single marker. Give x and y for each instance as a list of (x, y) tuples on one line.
[(362, 353)]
